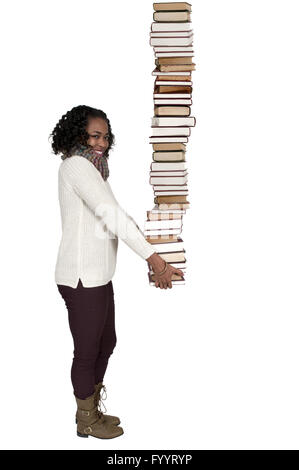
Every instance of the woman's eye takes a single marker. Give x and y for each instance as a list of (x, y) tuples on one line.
[(107, 137), (95, 136)]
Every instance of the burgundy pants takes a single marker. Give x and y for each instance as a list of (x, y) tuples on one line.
[(91, 320)]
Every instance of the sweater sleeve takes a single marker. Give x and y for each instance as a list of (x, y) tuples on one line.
[(89, 184)]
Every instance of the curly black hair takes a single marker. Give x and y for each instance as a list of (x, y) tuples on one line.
[(71, 129)]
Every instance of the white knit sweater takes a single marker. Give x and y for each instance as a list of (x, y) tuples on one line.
[(92, 221)]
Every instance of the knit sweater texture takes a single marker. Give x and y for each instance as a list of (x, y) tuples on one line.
[(92, 222)]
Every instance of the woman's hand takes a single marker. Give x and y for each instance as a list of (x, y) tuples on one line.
[(164, 280)]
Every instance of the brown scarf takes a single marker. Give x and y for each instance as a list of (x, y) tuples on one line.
[(94, 156)]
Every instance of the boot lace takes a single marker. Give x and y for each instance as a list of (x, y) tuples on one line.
[(102, 396)]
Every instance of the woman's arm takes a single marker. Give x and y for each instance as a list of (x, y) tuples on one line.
[(89, 184)]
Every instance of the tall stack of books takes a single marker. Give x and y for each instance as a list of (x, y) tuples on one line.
[(171, 37)]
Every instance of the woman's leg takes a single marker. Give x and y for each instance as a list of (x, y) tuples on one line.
[(87, 313), (108, 340)]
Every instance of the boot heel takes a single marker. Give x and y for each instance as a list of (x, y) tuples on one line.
[(81, 435)]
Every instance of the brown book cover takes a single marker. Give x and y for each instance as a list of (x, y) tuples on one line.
[(176, 67), (174, 205), (178, 78), (172, 89), (172, 16), (170, 199), (162, 238), (157, 216), (173, 60), (172, 110), (170, 6), (169, 146)]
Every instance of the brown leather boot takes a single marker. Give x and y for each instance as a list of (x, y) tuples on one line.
[(90, 424), (98, 400)]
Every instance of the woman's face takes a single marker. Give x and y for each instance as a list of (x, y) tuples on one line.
[(97, 130)]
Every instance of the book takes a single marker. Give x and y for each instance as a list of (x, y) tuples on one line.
[(167, 231), (170, 131), (162, 166), (170, 193), (169, 156), (174, 16), (171, 41), (171, 34), (161, 139), (170, 173), (174, 121), (164, 180), (171, 95), (172, 102), (166, 210), (162, 239), (175, 279), (162, 224), (166, 6), (169, 147), (175, 256), (169, 245), (156, 71), (173, 60), (175, 67), (172, 110), (170, 26), (162, 216), (173, 83), (172, 89), (172, 206), (179, 187), (173, 49), (170, 199)]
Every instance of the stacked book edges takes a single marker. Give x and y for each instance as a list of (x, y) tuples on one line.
[(171, 37)]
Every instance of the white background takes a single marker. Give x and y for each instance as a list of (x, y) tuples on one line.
[(209, 365)]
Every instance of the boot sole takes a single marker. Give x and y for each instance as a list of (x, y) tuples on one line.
[(79, 434), (114, 424)]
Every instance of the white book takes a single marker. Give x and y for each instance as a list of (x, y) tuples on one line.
[(169, 173), (173, 101), (173, 82), (164, 180), (173, 121), (185, 26), (174, 54), (171, 41), (161, 139), (173, 95), (171, 34), (162, 224), (158, 131), (173, 49), (156, 210), (160, 166), (157, 72), (158, 187), (171, 193), (165, 247), (175, 231)]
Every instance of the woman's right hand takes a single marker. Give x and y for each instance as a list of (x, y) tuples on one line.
[(164, 280)]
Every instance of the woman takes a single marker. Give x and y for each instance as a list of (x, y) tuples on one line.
[(92, 222)]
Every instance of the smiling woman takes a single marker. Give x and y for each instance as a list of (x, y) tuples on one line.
[(86, 258)]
